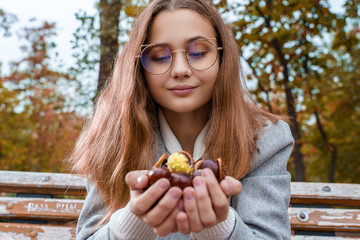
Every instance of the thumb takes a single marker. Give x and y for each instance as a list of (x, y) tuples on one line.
[(136, 180)]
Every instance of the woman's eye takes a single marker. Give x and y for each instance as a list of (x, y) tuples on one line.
[(197, 54), (160, 58)]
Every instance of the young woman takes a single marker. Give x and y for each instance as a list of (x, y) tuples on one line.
[(176, 86)]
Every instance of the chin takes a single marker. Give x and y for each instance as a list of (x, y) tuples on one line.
[(182, 110), (185, 108)]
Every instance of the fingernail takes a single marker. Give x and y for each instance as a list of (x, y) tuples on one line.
[(188, 195), (139, 179), (163, 185), (206, 172), (182, 220), (198, 182), (175, 194), (229, 188)]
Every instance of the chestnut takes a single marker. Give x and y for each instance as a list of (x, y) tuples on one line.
[(196, 173), (181, 180), (180, 162), (157, 173), (215, 166), (180, 169)]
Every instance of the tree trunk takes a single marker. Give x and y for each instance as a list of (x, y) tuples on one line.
[(332, 149), (290, 102), (109, 32)]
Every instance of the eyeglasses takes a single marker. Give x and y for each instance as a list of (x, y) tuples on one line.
[(201, 54)]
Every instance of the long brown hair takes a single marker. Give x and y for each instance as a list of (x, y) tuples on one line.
[(120, 137)]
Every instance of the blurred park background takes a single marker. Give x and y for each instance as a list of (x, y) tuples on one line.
[(300, 58)]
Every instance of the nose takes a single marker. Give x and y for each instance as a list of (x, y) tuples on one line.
[(180, 67)]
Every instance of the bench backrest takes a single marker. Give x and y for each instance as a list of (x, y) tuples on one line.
[(315, 207)]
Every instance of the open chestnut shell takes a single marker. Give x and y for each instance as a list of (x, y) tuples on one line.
[(215, 166), (180, 169)]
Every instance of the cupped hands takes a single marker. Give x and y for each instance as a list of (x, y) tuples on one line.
[(169, 209)]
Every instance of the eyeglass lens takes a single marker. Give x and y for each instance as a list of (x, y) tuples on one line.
[(201, 54)]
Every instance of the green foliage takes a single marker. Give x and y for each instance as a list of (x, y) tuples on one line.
[(340, 103), (302, 46)]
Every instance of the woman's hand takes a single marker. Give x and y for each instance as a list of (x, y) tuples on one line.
[(207, 203), (157, 206)]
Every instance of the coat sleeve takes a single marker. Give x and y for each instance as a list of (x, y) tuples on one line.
[(123, 223), (262, 206), (260, 210)]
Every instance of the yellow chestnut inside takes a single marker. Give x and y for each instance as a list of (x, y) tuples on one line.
[(178, 162)]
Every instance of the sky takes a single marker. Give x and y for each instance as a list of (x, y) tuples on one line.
[(60, 12), (63, 14)]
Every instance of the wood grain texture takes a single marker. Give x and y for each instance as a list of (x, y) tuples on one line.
[(40, 208), (342, 194), (343, 219), (335, 194), (300, 237), (326, 219), (42, 183), (34, 231)]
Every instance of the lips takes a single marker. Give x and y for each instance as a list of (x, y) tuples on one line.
[(181, 90)]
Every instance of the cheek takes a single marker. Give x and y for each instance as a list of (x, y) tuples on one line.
[(209, 77), (154, 82)]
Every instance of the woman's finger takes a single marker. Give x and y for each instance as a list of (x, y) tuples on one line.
[(136, 180), (141, 202), (219, 201), (182, 223), (168, 225), (179, 208), (206, 212), (163, 208), (191, 209), (231, 186)]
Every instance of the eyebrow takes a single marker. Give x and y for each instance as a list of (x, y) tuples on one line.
[(188, 40)]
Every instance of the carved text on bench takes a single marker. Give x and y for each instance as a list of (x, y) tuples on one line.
[(63, 207)]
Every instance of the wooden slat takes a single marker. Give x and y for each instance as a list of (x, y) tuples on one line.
[(300, 237), (40, 208), (42, 183), (344, 221), (337, 220), (72, 184), (33, 231), (341, 194)]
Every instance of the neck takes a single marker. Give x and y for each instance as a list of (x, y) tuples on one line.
[(187, 126)]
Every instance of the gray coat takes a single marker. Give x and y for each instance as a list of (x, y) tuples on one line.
[(261, 207)]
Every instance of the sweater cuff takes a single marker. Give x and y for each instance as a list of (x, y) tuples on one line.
[(126, 225), (221, 231)]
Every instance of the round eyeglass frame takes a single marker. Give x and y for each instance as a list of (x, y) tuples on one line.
[(146, 46)]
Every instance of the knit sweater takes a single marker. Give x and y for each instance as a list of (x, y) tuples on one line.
[(258, 212)]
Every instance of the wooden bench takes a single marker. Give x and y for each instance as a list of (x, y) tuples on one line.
[(317, 210)]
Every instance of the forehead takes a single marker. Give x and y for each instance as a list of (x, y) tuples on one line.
[(175, 27)]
